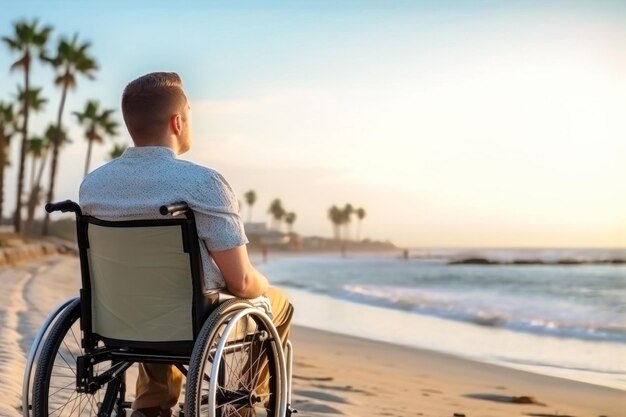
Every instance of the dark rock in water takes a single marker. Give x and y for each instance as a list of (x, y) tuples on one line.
[(489, 321), (472, 261), (569, 262), (528, 262)]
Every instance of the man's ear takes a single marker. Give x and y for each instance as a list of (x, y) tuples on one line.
[(176, 123)]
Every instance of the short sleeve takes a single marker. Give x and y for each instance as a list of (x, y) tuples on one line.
[(217, 214)]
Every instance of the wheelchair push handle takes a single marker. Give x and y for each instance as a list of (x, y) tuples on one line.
[(63, 206), (174, 209)]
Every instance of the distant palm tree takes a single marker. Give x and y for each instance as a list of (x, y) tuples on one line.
[(277, 211), (28, 38), (117, 151), (336, 217), (71, 58), (8, 128), (250, 197), (97, 123), (290, 219), (360, 214), (346, 214)]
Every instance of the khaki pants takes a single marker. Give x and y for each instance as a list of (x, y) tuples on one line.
[(159, 385)]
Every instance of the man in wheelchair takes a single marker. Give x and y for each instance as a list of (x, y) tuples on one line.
[(133, 187)]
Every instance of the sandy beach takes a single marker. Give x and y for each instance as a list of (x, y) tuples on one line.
[(333, 374)]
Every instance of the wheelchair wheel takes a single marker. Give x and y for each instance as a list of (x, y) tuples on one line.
[(33, 356), (237, 365), (54, 390)]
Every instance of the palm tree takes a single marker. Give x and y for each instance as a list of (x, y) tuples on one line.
[(250, 197), (336, 218), (28, 38), (346, 214), (277, 211), (8, 128), (36, 103), (360, 214), (97, 123), (290, 219), (117, 151), (36, 148), (71, 58), (52, 133)]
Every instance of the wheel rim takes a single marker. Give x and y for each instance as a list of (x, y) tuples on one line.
[(55, 392), (237, 387)]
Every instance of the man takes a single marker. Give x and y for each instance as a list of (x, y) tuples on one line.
[(148, 175)]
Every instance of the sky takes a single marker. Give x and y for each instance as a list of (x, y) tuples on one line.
[(452, 123)]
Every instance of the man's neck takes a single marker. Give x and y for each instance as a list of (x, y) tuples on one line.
[(170, 143)]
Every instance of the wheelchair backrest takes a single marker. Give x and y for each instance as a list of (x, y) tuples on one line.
[(141, 280), (141, 283)]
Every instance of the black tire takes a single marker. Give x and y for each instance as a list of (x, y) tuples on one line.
[(54, 390), (237, 381)]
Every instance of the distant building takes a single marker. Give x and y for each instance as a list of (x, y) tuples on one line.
[(259, 234), (256, 228)]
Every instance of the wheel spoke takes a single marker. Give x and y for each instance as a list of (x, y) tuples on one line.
[(247, 362), (68, 365), (232, 401), (57, 365), (78, 345), (62, 406), (60, 389)]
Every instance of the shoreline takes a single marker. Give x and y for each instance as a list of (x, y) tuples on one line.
[(435, 383), (572, 359)]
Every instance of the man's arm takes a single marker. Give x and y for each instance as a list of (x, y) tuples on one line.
[(242, 279)]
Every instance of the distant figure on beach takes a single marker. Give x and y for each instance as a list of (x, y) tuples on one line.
[(157, 114), (264, 252)]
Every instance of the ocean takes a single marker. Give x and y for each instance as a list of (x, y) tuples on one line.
[(556, 312)]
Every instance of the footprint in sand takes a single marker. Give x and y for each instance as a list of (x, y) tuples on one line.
[(321, 396)]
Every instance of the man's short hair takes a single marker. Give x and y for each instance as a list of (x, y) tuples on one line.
[(148, 103)]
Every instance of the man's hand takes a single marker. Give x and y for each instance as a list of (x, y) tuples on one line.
[(242, 279)]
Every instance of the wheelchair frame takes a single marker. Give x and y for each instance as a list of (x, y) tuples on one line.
[(123, 354)]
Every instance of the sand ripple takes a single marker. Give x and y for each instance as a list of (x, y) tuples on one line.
[(12, 356), (29, 293)]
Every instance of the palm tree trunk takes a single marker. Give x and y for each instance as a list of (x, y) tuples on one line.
[(17, 220), (33, 162), (88, 157), (33, 200), (56, 145)]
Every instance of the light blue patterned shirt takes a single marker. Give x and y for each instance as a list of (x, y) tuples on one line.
[(140, 181)]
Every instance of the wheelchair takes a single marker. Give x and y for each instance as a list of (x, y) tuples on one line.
[(143, 300)]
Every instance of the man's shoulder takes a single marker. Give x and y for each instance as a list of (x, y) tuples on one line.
[(192, 170), (100, 172), (179, 171)]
